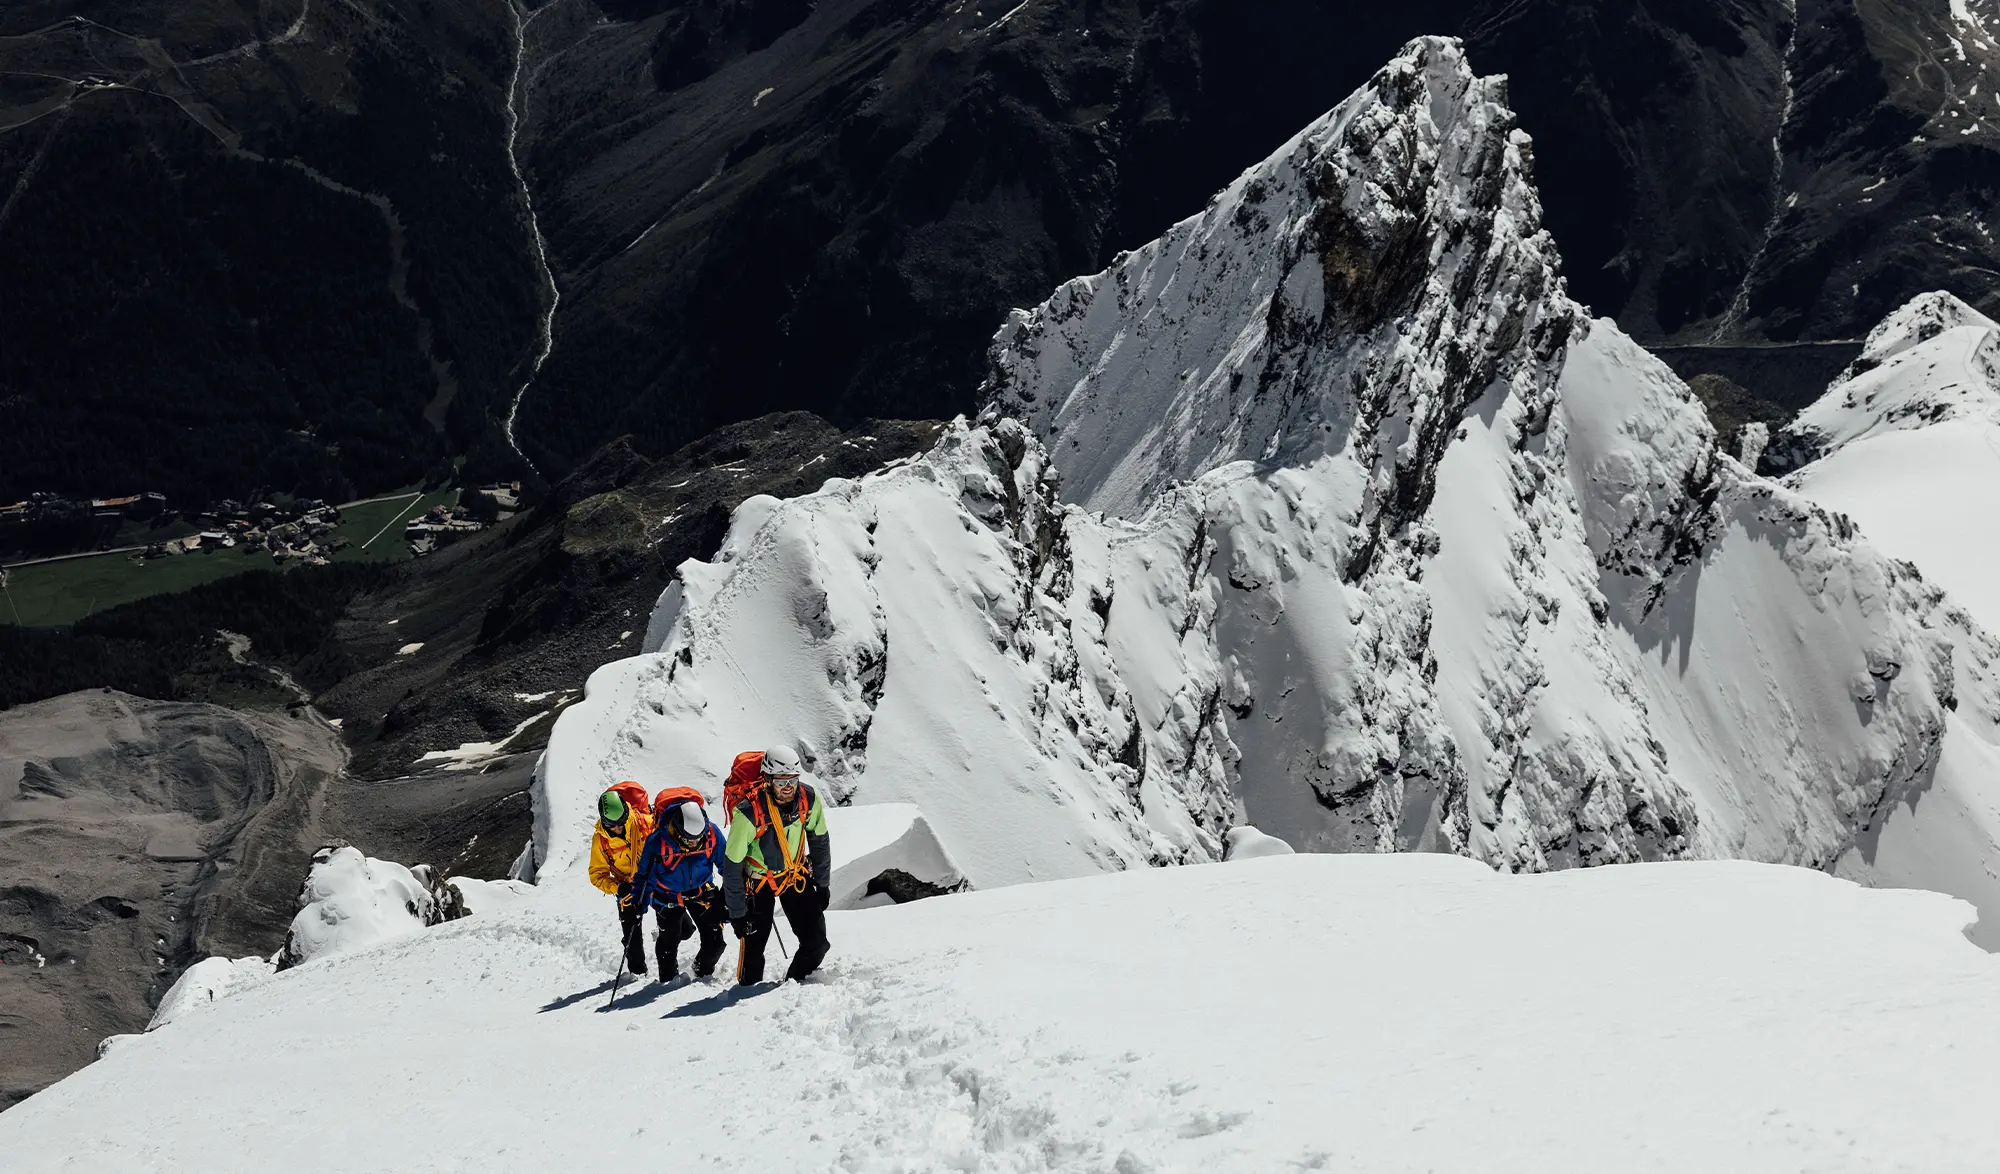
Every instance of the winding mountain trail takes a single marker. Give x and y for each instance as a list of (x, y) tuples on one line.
[(1739, 305), (518, 87)]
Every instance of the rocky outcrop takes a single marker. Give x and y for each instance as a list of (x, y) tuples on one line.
[(351, 901)]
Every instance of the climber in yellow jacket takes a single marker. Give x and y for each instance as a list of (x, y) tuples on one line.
[(624, 820)]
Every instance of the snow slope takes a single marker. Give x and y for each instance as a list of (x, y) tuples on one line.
[(1907, 445), (1330, 513), (1409, 1013)]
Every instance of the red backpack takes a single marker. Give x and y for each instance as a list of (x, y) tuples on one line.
[(746, 779)]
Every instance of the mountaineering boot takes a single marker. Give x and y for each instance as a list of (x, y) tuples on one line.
[(669, 954), (807, 912), (709, 954)]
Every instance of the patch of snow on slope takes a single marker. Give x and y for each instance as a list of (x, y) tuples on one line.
[(490, 896), (470, 754), (1681, 1017), (206, 981), (1247, 843)]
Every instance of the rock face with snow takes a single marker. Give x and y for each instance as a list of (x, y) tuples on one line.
[(1907, 447), (206, 982), (1933, 361), (886, 853), (351, 901), (1329, 512)]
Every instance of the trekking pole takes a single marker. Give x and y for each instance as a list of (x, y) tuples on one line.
[(779, 936), (620, 980)]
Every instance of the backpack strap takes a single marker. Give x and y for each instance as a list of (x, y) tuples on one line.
[(795, 874)]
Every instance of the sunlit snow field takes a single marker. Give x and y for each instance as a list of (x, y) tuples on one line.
[(1305, 1012)]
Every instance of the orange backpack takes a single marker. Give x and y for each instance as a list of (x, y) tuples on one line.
[(671, 795), (746, 779), (671, 852)]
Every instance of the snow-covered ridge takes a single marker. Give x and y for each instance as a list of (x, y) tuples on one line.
[(1935, 359), (1409, 1013), (1370, 539)]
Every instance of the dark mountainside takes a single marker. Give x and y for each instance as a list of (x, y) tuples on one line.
[(507, 624), (761, 205), (256, 243), (137, 837), (835, 215), (513, 621)]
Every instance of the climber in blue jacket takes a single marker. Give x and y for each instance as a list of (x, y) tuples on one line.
[(679, 878)]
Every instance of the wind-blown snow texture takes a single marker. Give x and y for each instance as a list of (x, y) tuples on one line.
[(1407, 1013), (1328, 512), (1907, 445)]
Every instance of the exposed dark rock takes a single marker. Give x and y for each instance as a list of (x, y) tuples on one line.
[(902, 888), (1789, 377)]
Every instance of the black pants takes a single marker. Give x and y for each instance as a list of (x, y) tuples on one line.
[(635, 942), (808, 925), (702, 912)]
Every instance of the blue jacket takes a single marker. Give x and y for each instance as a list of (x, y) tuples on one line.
[(668, 872)]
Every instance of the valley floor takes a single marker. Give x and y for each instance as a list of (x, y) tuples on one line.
[(1303, 1012)]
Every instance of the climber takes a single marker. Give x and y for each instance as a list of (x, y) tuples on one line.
[(623, 823), (678, 878), (777, 853)]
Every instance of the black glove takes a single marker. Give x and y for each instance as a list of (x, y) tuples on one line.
[(626, 898), (822, 896), (740, 926)]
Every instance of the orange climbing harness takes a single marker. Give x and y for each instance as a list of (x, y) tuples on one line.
[(798, 869)]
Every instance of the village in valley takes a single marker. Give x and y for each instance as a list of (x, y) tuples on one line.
[(63, 558)]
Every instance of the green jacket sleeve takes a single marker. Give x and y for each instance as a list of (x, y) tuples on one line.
[(820, 851), (741, 833), (735, 893)]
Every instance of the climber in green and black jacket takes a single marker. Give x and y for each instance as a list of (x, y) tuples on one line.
[(777, 854)]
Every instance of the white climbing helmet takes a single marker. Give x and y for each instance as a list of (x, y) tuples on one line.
[(693, 821), (782, 762)]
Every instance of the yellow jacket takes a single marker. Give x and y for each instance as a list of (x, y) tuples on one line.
[(614, 860)]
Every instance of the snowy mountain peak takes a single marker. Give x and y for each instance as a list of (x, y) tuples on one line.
[(1371, 541), (1919, 320), (1360, 287), (1933, 360)]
